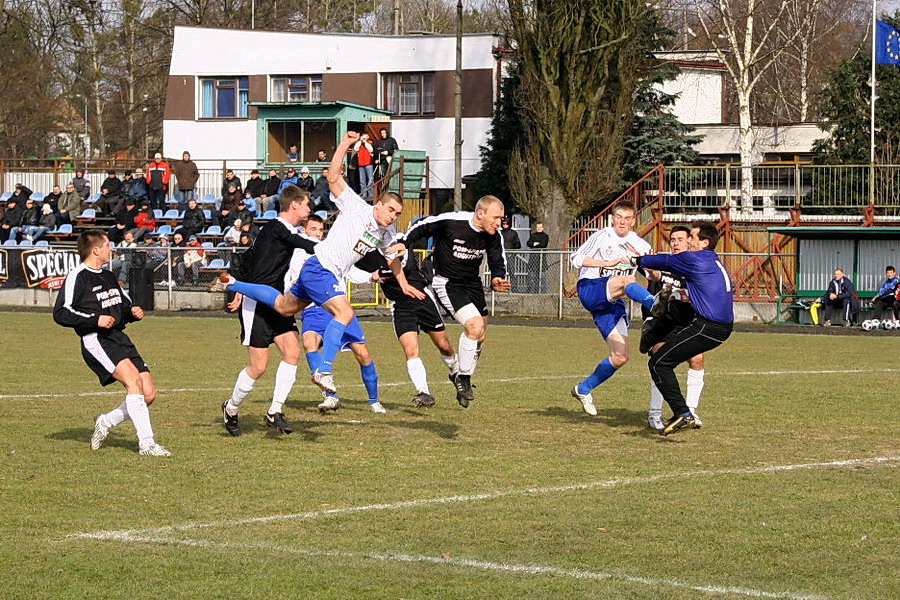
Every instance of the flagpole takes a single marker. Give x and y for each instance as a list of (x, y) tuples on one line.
[(872, 99)]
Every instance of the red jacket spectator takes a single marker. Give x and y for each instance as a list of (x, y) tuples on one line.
[(143, 219), (158, 174)]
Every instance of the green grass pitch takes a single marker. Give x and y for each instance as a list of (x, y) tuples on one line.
[(790, 490)]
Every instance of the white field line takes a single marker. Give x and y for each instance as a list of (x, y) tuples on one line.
[(629, 374), (479, 564), (535, 491)]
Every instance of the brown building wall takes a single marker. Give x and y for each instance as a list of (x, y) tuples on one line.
[(359, 88), (258, 92), (477, 89), (180, 98)]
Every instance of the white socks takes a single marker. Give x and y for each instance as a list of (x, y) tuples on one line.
[(416, 369), (242, 387), (452, 362), (468, 354), (140, 416), (285, 377), (118, 415), (656, 400), (694, 388)]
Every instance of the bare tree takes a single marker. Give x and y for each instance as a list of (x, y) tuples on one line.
[(580, 63)]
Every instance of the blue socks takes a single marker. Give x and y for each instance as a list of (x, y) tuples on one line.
[(639, 293), (370, 379), (314, 360), (331, 343), (259, 292), (603, 372)]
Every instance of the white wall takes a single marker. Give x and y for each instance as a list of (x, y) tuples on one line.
[(200, 51), (435, 137), (699, 96), (211, 141)]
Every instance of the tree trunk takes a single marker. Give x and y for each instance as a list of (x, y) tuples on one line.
[(746, 150)]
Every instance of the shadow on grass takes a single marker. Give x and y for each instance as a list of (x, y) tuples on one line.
[(446, 431), (83, 434), (633, 422)]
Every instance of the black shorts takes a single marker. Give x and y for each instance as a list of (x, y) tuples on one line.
[(454, 295), (261, 324), (410, 314), (102, 352)]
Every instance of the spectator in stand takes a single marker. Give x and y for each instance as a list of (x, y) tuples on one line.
[(30, 227), (231, 178), (242, 212), (82, 185), (841, 294), (22, 193), (250, 204), (293, 153), (48, 221), (194, 220), (110, 195), (186, 176), (305, 182), (134, 186), (232, 235), (193, 260), (269, 196), (364, 151), (230, 201), (887, 295), (538, 239), (125, 221), (255, 186), (157, 255), (121, 263), (510, 238), (69, 205), (320, 194), (53, 198), (289, 179), (12, 219), (322, 157), (384, 149), (177, 245), (158, 175), (144, 223)]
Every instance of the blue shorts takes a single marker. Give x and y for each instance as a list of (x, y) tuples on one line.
[(316, 283), (316, 319), (606, 313)]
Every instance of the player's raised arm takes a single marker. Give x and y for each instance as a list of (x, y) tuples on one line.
[(336, 183)]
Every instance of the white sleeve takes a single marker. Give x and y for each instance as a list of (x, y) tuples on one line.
[(587, 249), (349, 201), (358, 276)]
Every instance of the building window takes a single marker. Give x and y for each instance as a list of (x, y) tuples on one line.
[(409, 93), (224, 98), (297, 88)]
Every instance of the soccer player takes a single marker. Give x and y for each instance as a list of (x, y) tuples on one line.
[(606, 278), (92, 303), (679, 312), (411, 315), (315, 321), (712, 294), (360, 228), (260, 325), (461, 240)]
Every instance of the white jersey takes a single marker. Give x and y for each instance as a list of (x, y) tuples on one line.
[(354, 234), (298, 259), (605, 245)]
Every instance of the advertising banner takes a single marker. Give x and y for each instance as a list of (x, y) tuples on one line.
[(36, 267)]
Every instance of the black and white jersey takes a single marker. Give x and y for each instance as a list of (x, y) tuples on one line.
[(458, 246), (271, 254), (87, 294), (679, 287)]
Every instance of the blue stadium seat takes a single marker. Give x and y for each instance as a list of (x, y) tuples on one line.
[(269, 215), (323, 214), (42, 243), (38, 196), (5, 196), (216, 263), (172, 213), (207, 245), (64, 229), (93, 198), (24, 242), (10, 243), (88, 214), (209, 199), (212, 230), (163, 229), (157, 213), (207, 212)]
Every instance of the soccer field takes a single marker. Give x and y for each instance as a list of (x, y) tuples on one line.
[(790, 490)]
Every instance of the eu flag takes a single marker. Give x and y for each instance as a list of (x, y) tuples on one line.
[(887, 44)]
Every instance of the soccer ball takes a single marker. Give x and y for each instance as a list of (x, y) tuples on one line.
[(870, 324), (887, 324)]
